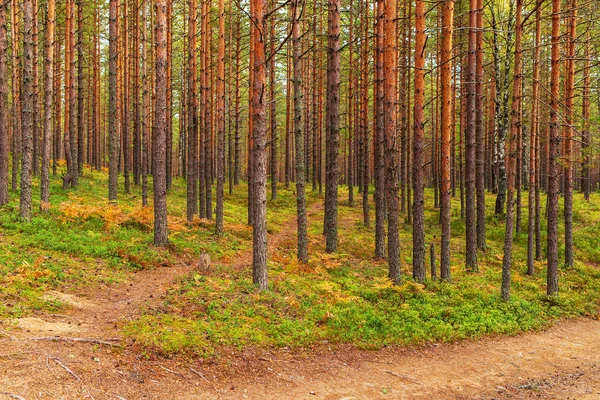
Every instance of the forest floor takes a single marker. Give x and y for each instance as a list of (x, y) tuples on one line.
[(78, 324)]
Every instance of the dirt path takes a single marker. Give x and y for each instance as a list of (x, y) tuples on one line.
[(560, 362)]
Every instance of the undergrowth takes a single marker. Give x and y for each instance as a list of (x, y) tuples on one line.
[(84, 241)]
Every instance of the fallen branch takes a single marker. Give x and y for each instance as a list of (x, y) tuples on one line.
[(200, 374), (106, 342), (402, 376), (173, 372), (12, 395), (56, 360)]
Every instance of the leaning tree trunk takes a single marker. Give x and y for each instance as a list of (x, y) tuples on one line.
[(48, 101), (159, 134), (333, 127)]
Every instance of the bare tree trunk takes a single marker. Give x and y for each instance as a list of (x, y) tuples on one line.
[(169, 140), (16, 95), (57, 106), (237, 145), (333, 127), (72, 177), (480, 128), (299, 134), (80, 89), (568, 132), (27, 111), (113, 134), (48, 101), (4, 105), (36, 93), (378, 132), (470, 134), (447, 128), (585, 132), (273, 105), (350, 108), (137, 145), (159, 134), (511, 155), (192, 114), (391, 137), (259, 199), (221, 120), (554, 148), (419, 144), (145, 107), (533, 150)]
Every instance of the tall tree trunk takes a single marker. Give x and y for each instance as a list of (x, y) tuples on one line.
[(192, 114), (236, 139), (298, 133), (272, 104), (568, 132), (57, 106), (447, 127), (16, 95), (350, 108), (259, 199), (378, 132), (480, 128), (4, 110), (80, 89), (72, 177), (113, 134), (419, 144), (159, 134), (585, 132), (364, 107), (554, 149), (391, 137), (333, 127), (221, 120), (145, 118), (136, 95), (36, 93), (48, 100), (470, 136), (27, 111), (511, 155), (533, 149), (169, 140)]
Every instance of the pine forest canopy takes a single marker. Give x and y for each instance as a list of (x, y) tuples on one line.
[(386, 97)]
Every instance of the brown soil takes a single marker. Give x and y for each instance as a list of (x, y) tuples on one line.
[(90, 360)]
